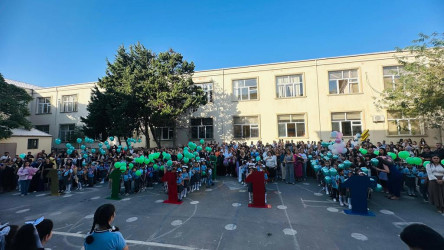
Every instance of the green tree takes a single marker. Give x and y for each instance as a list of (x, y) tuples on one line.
[(109, 114), (420, 89), (158, 89), (13, 108)]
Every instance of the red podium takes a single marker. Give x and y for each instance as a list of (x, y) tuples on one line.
[(171, 178), (257, 178)]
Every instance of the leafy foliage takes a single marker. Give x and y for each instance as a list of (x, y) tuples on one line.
[(13, 108), (141, 91), (420, 91)]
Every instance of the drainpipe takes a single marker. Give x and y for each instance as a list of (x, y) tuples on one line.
[(319, 105)]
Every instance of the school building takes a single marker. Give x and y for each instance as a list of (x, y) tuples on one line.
[(299, 100)]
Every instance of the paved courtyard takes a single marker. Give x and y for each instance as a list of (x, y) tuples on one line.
[(301, 217)]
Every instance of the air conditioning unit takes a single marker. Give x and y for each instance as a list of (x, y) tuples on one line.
[(378, 118)]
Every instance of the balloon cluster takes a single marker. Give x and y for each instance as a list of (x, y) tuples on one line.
[(339, 146)]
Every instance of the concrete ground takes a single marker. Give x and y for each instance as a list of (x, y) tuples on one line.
[(301, 217)]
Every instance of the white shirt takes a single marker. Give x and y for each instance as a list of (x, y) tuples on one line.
[(434, 170)]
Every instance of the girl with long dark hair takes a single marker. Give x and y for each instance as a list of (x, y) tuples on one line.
[(103, 236)]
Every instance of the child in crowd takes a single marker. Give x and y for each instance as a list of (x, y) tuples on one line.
[(410, 173), (422, 176), (127, 178)]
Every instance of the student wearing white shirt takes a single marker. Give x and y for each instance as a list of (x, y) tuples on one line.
[(271, 164), (435, 173)]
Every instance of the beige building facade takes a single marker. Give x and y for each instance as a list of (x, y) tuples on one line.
[(299, 101)]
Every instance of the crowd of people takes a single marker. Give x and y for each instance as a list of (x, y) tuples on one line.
[(289, 162)]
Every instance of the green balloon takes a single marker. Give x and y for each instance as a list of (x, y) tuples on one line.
[(202, 141), (427, 163), (122, 168), (374, 162), (138, 172), (403, 154), (179, 156), (117, 164), (391, 154), (258, 158), (410, 160), (186, 160), (376, 152), (156, 167), (417, 161), (442, 162), (161, 167), (197, 158), (169, 163), (130, 165)]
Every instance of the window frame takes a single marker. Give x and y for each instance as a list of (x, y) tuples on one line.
[(353, 122), (399, 68), (170, 133), (36, 127), (251, 126), (409, 122), (295, 125), (71, 132), (209, 90), (202, 126), (41, 106), (33, 143), (294, 86), (65, 104), (349, 85), (237, 91)]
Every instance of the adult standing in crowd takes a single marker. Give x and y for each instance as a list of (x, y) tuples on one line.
[(23, 174), (271, 164), (394, 176), (435, 173), (289, 166)]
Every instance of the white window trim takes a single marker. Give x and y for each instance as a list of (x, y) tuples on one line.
[(353, 123), (296, 130), (392, 75), (349, 79), (251, 125), (202, 126), (238, 90), (398, 120), (281, 88), (74, 103), (63, 138), (207, 88), (41, 105)]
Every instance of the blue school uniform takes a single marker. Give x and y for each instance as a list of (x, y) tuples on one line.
[(422, 175), (105, 240)]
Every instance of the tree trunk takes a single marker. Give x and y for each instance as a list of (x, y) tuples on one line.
[(156, 139), (174, 134), (146, 133)]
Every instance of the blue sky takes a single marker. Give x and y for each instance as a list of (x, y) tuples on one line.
[(54, 42)]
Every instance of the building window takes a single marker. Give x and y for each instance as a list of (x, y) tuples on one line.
[(202, 128), (43, 105), (33, 143), (289, 86), (67, 132), (349, 123), (391, 76), (398, 124), (246, 126), (245, 89), (291, 125), (69, 103), (43, 128), (343, 81), (164, 133), (208, 90)]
